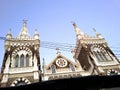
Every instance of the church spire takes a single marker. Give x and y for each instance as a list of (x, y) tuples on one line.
[(24, 32), (79, 33)]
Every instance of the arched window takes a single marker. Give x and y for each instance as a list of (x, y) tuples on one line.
[(20, 83), (97, 54), (16, 60), (108, 56), (101, 54), (112, 72), (53, 68), (22, 60), (27, 60), (72, 67)]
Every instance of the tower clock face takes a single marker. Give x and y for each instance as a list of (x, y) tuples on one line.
[(61, 62)]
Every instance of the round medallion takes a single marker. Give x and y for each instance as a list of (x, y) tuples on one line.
[(61, 62)]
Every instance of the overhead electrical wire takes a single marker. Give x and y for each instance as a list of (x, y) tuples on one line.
[(3, 38), (66, 46), (54, 45)]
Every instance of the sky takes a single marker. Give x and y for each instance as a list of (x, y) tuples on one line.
[(52, 19)]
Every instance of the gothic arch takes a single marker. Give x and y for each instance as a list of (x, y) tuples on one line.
[(16, 60), (97, 46), (112, 72), (72, 67), (100, 53), (53, 68), (20, 81), (21, 48), (27, 60), (24, 54)]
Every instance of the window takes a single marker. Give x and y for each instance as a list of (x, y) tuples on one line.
[(27, 60), (16, 60), (108, 55), (22, 60), (97, 54), (22, 57), (20, 83), (53, 68), (112, 72), (72, 67), (101, 54)]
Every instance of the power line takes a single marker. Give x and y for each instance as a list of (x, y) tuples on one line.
[(54, 45), (2, 38), (65, 46)]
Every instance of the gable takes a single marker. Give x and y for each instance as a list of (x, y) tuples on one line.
[(60, 61)]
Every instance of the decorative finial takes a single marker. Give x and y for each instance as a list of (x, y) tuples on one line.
[(9, 35), (74, 24), (9, 30), (58, 50), (97, 34), (36, 34), (36, 31), (24, 23), (94, 29)]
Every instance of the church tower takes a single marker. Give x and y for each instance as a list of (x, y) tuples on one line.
[(94, 54), (21, 62)]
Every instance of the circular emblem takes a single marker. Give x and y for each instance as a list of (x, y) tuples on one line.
[(61, 62)]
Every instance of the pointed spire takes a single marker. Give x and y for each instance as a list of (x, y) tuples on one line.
[(24, 23), (9, 35), (24, 32), (43, 66), (36, 32), (76, 28), (97, 34), (95, 31), (36, 35), (79, 33), (58, 51)]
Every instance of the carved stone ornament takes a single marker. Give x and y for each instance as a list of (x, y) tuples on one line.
[(61, 62)]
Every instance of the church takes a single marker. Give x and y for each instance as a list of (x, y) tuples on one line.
[(21, 63)]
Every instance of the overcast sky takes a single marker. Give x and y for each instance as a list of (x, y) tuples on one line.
[(52, 19)]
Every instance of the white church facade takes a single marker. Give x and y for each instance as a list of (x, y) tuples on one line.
[(21, 63)]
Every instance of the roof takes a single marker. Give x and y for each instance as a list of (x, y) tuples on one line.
[(59, 55)]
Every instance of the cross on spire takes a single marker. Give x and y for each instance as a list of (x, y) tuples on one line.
[(24, 23)]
